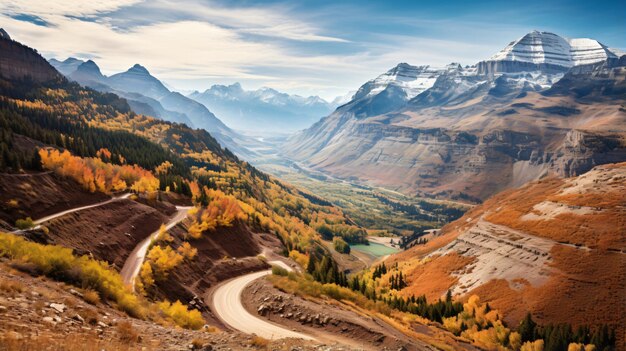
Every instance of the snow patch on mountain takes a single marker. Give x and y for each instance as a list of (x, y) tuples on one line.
[(549, 48), (411, 79)]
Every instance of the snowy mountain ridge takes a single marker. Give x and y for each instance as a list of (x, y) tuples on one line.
[(548, 48)]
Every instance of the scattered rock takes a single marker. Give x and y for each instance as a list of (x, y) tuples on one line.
[(76, 293), (59, 307), (77, 317), (3, 309), (48, 319)]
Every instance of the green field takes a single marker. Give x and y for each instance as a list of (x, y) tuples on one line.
[(362, 203), (374, 249)]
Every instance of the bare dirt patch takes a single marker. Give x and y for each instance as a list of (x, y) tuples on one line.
[(109, 232), (40, 194)]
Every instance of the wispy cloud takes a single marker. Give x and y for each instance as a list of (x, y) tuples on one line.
[(316, 47)]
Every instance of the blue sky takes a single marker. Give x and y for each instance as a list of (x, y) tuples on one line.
[(324, 48)]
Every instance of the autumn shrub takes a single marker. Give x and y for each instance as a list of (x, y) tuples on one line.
[(302, 285), (24, 223), (10, 287), (278, 270), (91, 296), (536, 345), (162, 260), (259, 342), (341, 245), (127, 333), (183, 317), (197, 344), (187, 251), (90, 316), (13, 203), (581, 347), (300, 258), (61, 264)]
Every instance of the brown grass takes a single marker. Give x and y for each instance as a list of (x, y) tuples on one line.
[(10, 287), (127, 333), (11, 341), (91, 297), (259, 342)]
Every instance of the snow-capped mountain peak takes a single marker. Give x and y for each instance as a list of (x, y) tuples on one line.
[(545, 48), (411, 79)]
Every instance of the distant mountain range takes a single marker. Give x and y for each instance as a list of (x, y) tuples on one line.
[(148, 95), (264, 110), (542, 105)]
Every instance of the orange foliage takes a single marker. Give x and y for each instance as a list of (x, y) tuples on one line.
[(104, 153), (221, 211), (96, 175)]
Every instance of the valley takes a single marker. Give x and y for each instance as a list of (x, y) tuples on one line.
[(436, 208)]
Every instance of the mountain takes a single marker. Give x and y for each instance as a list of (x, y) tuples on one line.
[(137, 79), (148, 95), (265, 109), (87, 72), (549, 246), (393, 89), (545, 51), (475, 130), (66, 67)]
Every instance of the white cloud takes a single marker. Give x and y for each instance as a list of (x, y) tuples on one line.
[(62, 7), (194, 44)]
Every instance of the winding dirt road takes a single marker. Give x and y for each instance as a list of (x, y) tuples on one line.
[(227, 306), (133, 263), (63, 213)]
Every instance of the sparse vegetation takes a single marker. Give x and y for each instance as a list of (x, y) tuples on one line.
[(259, 342), (341, 245), (91, 296), (61, 264), (278, 270), (25, 223), (127, 333), (183, 317), (10, 288)]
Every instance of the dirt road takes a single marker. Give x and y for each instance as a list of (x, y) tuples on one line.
[(226, 304), (63, 213), (133, 263)]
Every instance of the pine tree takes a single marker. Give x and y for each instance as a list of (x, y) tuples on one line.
[(527, 328)]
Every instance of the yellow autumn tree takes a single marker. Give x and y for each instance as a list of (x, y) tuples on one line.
[(187, 251), (536, 345)]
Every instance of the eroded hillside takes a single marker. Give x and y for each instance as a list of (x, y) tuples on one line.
[(529, 248)]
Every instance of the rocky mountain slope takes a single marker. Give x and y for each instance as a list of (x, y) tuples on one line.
[(264, 109), (18, 63), (476, 130), (555, 247)]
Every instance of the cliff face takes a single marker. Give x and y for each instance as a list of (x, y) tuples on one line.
[(18, 61), (472, 136)]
